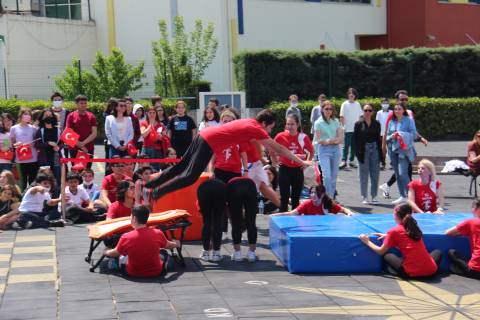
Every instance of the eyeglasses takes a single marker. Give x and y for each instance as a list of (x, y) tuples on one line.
[(118, 166), (122, 105), (131, 188), (327, 109), (403, 99), (368, 110)]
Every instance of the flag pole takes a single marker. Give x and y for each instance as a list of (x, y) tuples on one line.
[(62, 190)]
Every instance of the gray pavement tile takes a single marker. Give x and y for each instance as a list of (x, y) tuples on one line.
[(34, 287), (303, 300), (85, 296), (29, 313), (148, 315), (142, 296), (32, 256), (197, 304), (33, 244), (5, 250), (75, 315), (200, 316), (144, 306), (172, 290), (19, 305), (31, 270), (323, 317), (251, 291), (252, 302)]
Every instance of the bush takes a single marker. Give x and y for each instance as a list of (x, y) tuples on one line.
[(272, 75), (435, 118)]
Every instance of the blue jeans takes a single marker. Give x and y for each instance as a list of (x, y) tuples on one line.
[(115, 152), (348, 143), (369, 167), (5, 166), (153, 153), (329, 158), (400, 166)]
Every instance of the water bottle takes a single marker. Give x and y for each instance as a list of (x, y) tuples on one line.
[(261, 207)]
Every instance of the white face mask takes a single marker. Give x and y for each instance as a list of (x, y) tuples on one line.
[(294, 104), (57, 103), (47, 189), (385, 106)]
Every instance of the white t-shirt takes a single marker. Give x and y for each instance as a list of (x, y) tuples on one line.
[(351, 112), (90, 191), (80, 197), (382, 117), (34, 202), (207, 124)]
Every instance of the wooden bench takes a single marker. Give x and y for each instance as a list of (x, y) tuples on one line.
[(439, 163)]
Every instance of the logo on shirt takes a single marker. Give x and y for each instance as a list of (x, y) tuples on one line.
[(180, 125), (227, 153)]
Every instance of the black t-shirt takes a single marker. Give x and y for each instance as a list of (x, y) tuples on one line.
[(181, 128), (5, 207), (50, 134)]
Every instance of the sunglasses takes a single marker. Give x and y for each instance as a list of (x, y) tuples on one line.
[(368, 110), (327, 109), (403, 99)]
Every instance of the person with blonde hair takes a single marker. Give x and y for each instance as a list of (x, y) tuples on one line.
[(426, 192)]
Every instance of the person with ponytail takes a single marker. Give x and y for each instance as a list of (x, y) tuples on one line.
[(427, 190), (318, 204), (415, 262)]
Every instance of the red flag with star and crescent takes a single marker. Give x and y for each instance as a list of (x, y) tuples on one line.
[(131, 149), (24, 152), (6, 155), (70, 137), (81, 155)]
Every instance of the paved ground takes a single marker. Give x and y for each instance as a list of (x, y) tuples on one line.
[(43, 276)]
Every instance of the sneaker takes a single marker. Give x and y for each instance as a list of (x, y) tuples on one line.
[(28, 224), (352, 164), (342, 165), (205, 256), (16, 226), (237, 256), (375, 201), (53, 223), (365, 201), (399, 200), (216, 256), (224, 235), (251, 256), (385, 190)]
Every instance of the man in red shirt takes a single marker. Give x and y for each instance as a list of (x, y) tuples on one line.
[(140, 249), (214, 140), (84, 123)]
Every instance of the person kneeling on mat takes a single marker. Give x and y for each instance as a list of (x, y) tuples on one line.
[(471, 229), (407, 237), (318, 204), (140, 251)]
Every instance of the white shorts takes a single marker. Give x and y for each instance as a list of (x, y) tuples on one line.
[(257, 174)]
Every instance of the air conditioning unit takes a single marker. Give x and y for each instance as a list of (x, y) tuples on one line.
[(23, 5)]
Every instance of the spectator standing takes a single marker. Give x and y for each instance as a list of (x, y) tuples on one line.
[(5, 148), (293, 108), (162, 115), (350, 113), (139, 112), (22, 136), (382, 117), (368, 150), (153, 132), (135, 121), (48, 144), (181, 129), (211, 118), (473, 157), (119, 130), (317, 111), (60, 112), (84, 123), (7, 121)]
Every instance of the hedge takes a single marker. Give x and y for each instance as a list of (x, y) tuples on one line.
[(435, 118), (272, 75)]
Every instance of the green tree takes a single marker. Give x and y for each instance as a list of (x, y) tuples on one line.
[(112, 77), (182, 60)]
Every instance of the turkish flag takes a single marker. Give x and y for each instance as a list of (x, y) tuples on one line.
[(70, 137), (24, 152), (131, 149), (6, 155), (81, 155)]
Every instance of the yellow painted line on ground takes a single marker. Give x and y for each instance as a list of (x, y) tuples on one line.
[(4, 257), (35, 238), (33, 263), (38, 277), (2, 288), (43, 249), (3, 272), (6, 245)]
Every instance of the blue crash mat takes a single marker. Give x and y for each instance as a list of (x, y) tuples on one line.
[(322, 244), (433, 228)]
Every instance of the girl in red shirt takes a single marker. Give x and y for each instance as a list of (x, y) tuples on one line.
[(426, 191), (290, 174), (406, 237), (152, 131), (125, 201)]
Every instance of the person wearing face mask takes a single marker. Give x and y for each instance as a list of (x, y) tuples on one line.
[(317, 111), (23, 134), (382, 117), (318, 204), (60, 112), (293, 100), (48, 144)]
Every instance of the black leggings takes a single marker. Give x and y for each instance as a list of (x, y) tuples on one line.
[(225, 176), (184, 173), (290, 178), (460, 265), (28, 173), (396, 263), (212, 199), (393, 178), (78, 214), (242, 194)]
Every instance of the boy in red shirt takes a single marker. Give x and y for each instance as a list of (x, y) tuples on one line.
[(140, 250), (471, 229)]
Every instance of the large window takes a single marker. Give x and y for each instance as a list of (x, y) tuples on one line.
[(63, 9)]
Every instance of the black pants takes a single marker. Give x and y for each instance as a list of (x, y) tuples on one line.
[(242, 194), (225, 176), (28, 173), (460, 265), (393, 178), (290, 181), (184, 173), (212, 199), (39, 219), (396, 263), (78, 215)]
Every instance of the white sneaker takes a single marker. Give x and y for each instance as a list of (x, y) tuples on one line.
[(365, 201), (251, 256), (399, 200), (216, 256), (205, 255), (374, 201), (224, 235), (385, 190), (237, 256)]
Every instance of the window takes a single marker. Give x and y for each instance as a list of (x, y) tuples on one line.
[(63, 9)]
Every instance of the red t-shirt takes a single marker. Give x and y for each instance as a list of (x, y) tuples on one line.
[(82, 124), (471, 229), (475, 147), (425, 195), (297, 144), (150, 141), (110, 184), (309, 208), (229, 160), (417, 262), (118, 210), (142, 247), (252, 152), (232, 133)]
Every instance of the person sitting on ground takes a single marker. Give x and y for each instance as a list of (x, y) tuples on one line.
[(473, 157), (424, 192), (142, 193), (8, 206), (272, 174), (317, 204), (79, 207), (125, 201), (471, 229), (89, 185), (141, 250), (108, 191), (129, 168), (7, 178), (407, 237), (38, 209)]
